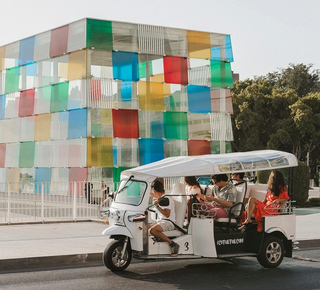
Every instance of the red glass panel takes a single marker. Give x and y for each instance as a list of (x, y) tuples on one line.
[(198, 147), (59, 41), (175, 70), (125, 123), (26, 104), (78, 174), (2, 154), (95, 90)]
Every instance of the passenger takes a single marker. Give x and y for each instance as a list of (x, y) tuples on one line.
[(164, 213), (239, 183), (223, 198), (194, 191), (277, 193)]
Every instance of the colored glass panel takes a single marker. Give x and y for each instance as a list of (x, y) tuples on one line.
[(77, 65), (59, 41), (99, 34), (101, 122), (26, 50), (42, 127), (2, 154), (43, 174), (215, 147), (125, 66), (77, 125), (26, 104), (221, 100), (199, 44), (143, 69), (12, 80), (59, 97), (199, 99), (198, 147), (100, 152), (125, 123), (175, 70), (77, 152), (151, 95), (221, 74), (27, 151), (228, 48), (150, 150), (78, 174), (216, 53), (2, 106), (2, 57), (175, 125)]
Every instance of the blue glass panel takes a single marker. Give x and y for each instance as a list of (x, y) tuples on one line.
[(2, 106), (157, 129), (229, 54), (150, 150), (77, 126), (26, 50), (216, 53), (64, 117), (125, 66), (115, 155), (199, 99), (31, 69), (42, 179), (126, 91)]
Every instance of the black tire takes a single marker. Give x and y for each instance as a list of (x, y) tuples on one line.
[(272, 252), (112, 253)]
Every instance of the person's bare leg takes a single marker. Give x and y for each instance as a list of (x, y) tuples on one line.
[(252, 204), (157, 231)]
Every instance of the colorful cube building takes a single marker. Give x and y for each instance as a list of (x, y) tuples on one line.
[(94, 97)]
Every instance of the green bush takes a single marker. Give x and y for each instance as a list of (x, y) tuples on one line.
[(263, 176), (301, 175), (313, 202)]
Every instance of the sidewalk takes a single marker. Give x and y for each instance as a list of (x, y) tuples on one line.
[(79, 243)]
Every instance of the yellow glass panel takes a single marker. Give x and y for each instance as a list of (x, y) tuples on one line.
[(12, 177), (199, 44), (106, 116), (151, 96), (42, 127), (2, 57), (77, 65), (63, 70), (158, 78), (100, 152)]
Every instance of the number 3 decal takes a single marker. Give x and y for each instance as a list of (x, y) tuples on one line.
[(186, 244)]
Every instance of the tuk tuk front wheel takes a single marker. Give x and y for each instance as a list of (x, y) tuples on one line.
[(112, 256), (272, 252)]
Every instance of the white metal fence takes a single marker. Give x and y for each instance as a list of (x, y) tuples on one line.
[(45, 202)]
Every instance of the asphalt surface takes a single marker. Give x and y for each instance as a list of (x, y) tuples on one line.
[(26, 246)]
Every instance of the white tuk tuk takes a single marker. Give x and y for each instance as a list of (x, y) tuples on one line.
[(205, 236)]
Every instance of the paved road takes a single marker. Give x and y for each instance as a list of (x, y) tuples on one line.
[(236, 273)]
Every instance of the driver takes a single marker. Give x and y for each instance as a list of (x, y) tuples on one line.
[(164, 213)]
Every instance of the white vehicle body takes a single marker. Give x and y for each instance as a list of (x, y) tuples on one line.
[(204, 237)]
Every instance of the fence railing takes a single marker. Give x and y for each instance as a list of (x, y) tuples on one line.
[(46, 202)]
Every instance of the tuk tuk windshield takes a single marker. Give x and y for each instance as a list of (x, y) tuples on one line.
[(131, 192)]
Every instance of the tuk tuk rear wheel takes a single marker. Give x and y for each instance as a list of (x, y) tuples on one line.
[(112, 256), (272, 252)]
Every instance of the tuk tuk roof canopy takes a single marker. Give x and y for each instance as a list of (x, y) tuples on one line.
[(214, 164)]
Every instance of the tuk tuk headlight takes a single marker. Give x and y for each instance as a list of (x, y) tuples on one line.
[(117, 216)]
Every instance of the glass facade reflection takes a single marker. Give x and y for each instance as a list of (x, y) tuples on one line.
[(94, 97)]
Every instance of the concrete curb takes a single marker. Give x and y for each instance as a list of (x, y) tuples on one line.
[(51, 261), (90, 259)]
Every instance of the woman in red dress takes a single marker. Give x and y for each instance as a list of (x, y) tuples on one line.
[(277, 193)]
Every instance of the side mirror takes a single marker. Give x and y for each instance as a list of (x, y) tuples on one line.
[(163, 201), (111, 194)]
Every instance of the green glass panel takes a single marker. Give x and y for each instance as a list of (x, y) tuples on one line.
[(59, 97), (99, 34), (175, 125), (228, 147), (143, 69), (117, 173), (26, 159), (221, 74), (215, 147), (96, 130), (12, 80)]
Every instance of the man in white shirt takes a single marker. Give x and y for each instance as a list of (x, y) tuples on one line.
[(164, 213)]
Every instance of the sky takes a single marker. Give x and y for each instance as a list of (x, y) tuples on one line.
[(266, 35)]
